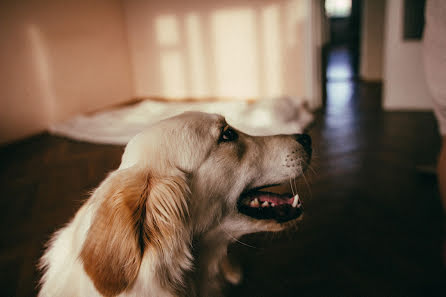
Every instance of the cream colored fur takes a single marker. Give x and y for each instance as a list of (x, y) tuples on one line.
[(160, 224)]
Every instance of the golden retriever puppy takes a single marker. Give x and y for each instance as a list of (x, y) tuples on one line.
[(160, 224)]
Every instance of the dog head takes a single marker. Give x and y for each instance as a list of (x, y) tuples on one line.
[(225, 169), (183, 177)]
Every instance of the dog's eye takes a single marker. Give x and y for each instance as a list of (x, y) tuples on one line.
[(228, 134)]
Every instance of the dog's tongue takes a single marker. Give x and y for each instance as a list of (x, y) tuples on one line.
[(272, 198), (266, 205), (277, 199)]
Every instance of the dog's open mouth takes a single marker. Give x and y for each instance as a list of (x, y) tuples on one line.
[(270, 206)]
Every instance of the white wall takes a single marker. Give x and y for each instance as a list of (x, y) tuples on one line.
[(405, 87), (372, 39), (59, 58), (219, 48), (315, 38)]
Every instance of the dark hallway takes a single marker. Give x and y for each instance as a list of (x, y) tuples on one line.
[(373, 224)]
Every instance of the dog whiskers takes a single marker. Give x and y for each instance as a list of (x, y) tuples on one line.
[(308, 185), (311, 168), (292, 189)]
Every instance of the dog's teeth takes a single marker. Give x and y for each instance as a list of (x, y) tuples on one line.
[(272, 204), (254, 203), (296, 200), (265, 204)]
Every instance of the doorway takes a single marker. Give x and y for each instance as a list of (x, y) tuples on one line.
[(340, 56)]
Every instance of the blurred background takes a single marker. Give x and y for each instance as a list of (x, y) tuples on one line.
[(350, 71)]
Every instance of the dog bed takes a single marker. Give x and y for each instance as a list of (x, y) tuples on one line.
[(118, 125)]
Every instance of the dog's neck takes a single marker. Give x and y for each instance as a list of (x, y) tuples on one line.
[(196, 264), (208, 250), (187, 268)]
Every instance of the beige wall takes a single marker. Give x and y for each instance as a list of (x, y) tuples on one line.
[(405, 86), (64, 57), (218, 48), (372, 39), (59, 58)]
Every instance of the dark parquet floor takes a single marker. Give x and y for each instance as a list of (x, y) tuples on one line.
[(372, 226)]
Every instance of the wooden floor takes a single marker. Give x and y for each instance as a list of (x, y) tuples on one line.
[(372, 226)]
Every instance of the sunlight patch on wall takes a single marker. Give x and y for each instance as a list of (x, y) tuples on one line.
[(196, 55), (167, 30), (235, 53), (240, 52), (172, 74), (296, 13), (272, 51), (43, 72), (171, 56)]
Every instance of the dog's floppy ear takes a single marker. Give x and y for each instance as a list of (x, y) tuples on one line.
[(134, 210)]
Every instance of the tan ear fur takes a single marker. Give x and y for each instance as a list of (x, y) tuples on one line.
[(131, 216)]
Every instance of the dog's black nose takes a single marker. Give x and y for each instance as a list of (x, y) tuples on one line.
[(305, 141)]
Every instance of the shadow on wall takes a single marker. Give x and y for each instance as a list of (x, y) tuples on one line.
[(60, 58), (246, 49), (40, 58)]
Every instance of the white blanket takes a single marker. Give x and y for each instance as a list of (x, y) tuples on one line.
[(117, 126)]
